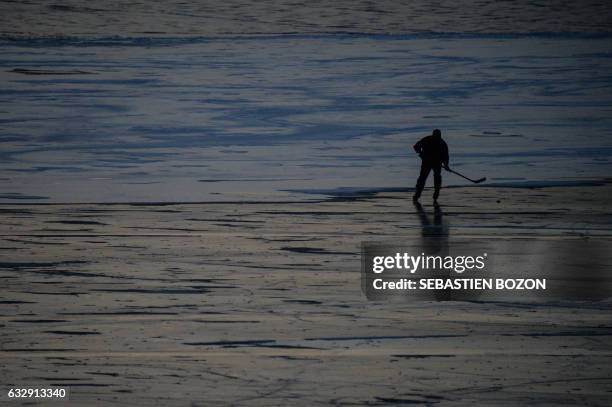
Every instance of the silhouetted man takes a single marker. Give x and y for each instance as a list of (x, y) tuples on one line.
[(434, 155)]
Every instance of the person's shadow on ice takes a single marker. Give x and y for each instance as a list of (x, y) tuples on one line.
[(434, 242), (438, 228)]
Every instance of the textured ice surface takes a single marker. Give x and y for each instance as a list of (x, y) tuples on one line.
[(212, 17), (146, 119)]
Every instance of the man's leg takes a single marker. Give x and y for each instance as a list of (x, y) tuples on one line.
[(425, 168), (437, 181)]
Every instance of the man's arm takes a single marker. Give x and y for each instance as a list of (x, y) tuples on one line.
[(418, 147)]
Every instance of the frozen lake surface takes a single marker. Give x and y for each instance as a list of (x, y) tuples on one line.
[(214, 17), (114, 113), (260, 303)]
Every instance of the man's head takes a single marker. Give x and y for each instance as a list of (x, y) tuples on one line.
[(437, 133)]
